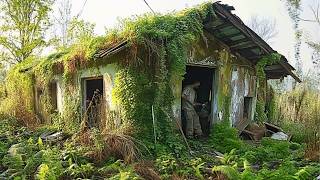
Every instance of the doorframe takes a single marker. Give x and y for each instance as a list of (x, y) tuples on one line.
[(84, 90), (214, 89)]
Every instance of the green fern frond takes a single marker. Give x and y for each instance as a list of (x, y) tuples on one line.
[(229, 171)]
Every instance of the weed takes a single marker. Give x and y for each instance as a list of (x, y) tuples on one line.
[(146, 170), (224, 138)]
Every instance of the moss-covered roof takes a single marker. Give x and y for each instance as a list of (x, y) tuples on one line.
[(174, 29)]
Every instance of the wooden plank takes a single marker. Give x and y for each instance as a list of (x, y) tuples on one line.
[(232, 43), (244, 29), (250, 34), (272, 127), (243, 48), (258, 57), (222, 26), (112, 50), (273, 67), (243, 44), (289, 71)]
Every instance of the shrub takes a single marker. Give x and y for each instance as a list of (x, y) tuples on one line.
[(298, 112), (271, 150), (166, 164), (223, 138)]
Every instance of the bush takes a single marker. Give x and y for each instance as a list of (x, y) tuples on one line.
[(273, 150), (223, 138)]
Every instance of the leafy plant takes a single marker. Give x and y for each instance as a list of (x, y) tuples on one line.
[(225, 138)]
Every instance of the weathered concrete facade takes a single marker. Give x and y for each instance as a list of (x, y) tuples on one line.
[(228, 50), (232, 77)]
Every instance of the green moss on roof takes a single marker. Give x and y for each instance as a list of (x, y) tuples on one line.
[(174, 30)]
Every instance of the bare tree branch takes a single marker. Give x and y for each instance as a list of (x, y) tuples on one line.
[(265, 28)]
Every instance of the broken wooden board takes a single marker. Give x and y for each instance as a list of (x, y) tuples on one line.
[(272, 127)]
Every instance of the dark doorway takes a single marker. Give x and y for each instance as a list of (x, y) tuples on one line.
[(247, 108), (93, 103), (204, 75)]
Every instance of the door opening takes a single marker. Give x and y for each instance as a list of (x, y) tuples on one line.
[(204, 96), (93, 101), (247, 108)]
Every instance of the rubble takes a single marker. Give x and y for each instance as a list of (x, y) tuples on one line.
[(256, 132), (52, 137)]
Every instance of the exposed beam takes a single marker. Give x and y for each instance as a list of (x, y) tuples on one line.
[(258, 57), (243, 44), (288, 69), (276, 76), (242, 40), (241, 26), (234, 35), (222, 26), (273, 67), (242, 48), (112, 50)]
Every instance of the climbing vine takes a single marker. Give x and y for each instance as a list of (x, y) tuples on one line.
[(167, 40), (157, 50), (271, 59)]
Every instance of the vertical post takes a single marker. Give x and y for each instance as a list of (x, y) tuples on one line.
[(154, 126)]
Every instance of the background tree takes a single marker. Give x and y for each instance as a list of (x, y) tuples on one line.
[(69, 28), (264, 27), (22, 28), (80, 30), (294, 10), (313, 42), (62, 22)]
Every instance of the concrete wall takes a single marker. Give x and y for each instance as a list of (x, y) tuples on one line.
[(243, 84), (108, 73), (234, 77)]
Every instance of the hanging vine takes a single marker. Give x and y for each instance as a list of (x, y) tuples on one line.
[(268, 60)]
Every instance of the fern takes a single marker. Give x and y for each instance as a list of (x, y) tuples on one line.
[(43, 172), (40, 143), (307, 172), (229, 171), (247, 174)]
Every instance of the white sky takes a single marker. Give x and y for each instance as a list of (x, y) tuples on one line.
[(105, 14)]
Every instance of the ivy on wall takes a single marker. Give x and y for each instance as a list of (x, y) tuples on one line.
[(271, 59), (157, 51), (158, 47), (167, 40)]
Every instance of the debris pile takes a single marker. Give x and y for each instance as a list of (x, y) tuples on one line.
[(256, 132)]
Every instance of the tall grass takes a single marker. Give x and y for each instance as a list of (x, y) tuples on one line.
[(298, 112), (99, 130)]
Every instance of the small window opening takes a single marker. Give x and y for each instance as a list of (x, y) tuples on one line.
[(201, 108), (53, 95), (93, 101), (247, 108)]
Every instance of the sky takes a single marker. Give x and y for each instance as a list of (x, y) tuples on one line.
[(106, 13)]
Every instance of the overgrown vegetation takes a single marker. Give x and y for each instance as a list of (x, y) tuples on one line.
[(263, 88), (157, 51), (297, 111), (24, 154), (139, 146)]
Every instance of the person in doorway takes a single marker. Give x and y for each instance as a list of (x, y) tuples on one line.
[(189, 96)]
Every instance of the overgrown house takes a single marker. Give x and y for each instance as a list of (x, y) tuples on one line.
[(135, 76)]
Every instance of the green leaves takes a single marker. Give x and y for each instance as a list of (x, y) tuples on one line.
[(23, 27)]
